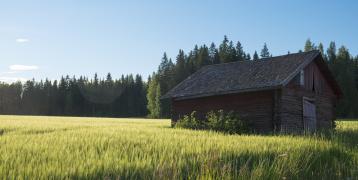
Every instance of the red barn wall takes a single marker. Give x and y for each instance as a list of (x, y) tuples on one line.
[(256, 107)]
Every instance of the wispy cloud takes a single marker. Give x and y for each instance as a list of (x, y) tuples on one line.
[(18, 67), (14, 69), (9, 72), (22, 40), (12, 79)]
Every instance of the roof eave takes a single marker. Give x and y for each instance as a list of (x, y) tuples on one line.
[(227, 92)]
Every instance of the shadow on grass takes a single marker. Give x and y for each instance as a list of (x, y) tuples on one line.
[(5, 131), (306, 163), (348, 138), (44, 131)]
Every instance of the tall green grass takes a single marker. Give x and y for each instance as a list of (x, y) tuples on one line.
[(97, 148)]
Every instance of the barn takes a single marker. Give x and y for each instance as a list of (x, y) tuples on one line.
[(290, 93)]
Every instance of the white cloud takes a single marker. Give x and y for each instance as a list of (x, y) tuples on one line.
[(22, 40), (9, 72), (12, 79), (18, 67)]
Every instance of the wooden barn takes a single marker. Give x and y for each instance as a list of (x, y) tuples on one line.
[(290, 93)]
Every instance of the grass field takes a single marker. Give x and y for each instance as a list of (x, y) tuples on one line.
[(97, 148)]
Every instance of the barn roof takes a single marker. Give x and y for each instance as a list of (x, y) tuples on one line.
[(245, 76)]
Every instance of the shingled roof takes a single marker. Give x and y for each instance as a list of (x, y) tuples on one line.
[(242, 76)]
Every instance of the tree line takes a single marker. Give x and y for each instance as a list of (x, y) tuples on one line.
[(81, 96), (131, 96)]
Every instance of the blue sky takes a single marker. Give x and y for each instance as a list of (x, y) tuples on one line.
[(51, 38)]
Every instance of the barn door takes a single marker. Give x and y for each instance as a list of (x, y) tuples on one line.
[(309, 115)]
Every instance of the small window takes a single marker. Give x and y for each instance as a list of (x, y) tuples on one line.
[(302, 78)]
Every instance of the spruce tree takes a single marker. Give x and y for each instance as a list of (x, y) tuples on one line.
[(157, 110), (153, 105), (265, 52), (320, 48), (255, 56), (232, 52), (248, 57), (331, 52), (309, 46), (180, 70), (240, 54), (214, 54), (212, 51), (224, 52), (203, 57), (216, 59)]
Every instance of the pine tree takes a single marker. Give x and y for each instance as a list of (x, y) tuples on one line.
[(157, 110), (331, 52), (164, 63), (247, 57), (214, 54), (320, 48), (166, 81), (265, 52), (255, 56), (203, 57), (180, 70), (232, 52), (95, 80), (192, 63), (224, 52), (109, 80), (240, 54), (216, 59), (309, 46), (153, 97)]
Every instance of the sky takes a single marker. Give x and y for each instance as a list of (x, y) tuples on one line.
[(48, 39)]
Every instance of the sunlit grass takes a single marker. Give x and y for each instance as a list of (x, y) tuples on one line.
[(96, 148)]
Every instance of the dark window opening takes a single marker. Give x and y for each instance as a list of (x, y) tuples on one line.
[(299, 79), (296, 79)]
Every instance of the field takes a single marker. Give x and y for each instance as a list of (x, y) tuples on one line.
[(97, 148)]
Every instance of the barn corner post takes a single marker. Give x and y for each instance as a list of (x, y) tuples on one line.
[(172, 113), (334, 109), (276, 120)]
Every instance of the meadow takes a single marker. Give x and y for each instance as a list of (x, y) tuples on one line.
[(96, 148)]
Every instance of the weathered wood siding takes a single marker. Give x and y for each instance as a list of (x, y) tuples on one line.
[(315, 87), (256, 107)]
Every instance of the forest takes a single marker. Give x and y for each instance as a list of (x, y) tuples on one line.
[(131, 96)]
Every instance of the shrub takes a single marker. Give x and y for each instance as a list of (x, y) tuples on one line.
[(191, 122), (228, 122)]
